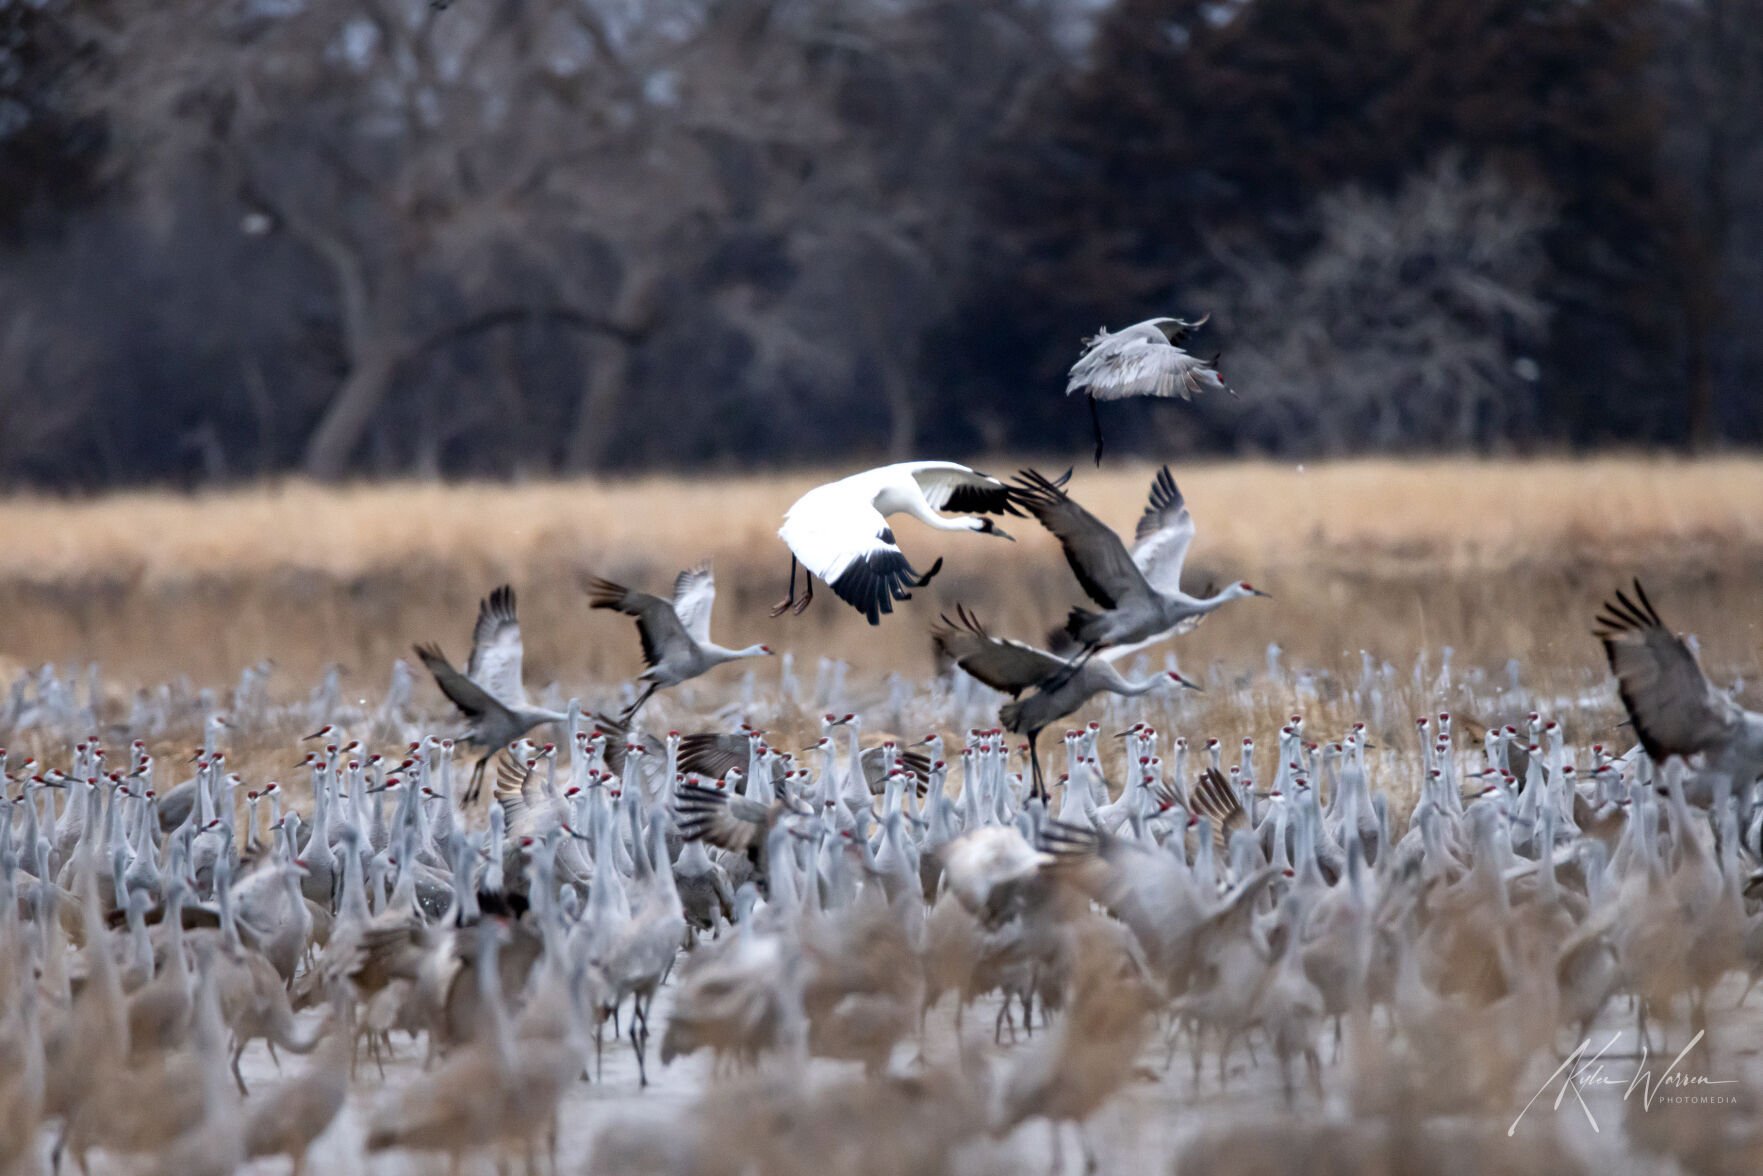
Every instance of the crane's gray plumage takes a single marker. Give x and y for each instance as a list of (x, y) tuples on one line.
[(1140, 592), (1675, 709), (1060, 685), (1144, 359), (675, 633), (491, 694)]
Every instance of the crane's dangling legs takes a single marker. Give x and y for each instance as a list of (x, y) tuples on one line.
[(789, 603), (476, 787), (1039, 790), (1096, 420), (630, 711)]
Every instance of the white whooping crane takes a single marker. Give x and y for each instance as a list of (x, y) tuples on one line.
[(1145, 359), (839, 531)]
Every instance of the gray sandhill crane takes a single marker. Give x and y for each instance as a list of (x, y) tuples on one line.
[(289, 1118), (1675, 709), (675, 633), (1060, 685), (490, 693), (1141, 592), (732, 822), (1145, 359), (839, 531)]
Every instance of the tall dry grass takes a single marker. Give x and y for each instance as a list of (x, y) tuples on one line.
[(1498, 559)]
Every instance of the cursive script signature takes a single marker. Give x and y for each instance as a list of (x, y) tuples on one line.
[(1582, 1069)]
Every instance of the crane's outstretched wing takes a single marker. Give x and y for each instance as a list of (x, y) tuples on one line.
[(1004, 665), (1097, 557), (840, 537), (712, 755), (496, 651), (711, 814), (1141, 360), (1676, 710), (694, 594), (952, 487), (1213, 798), (1165, 532), (472, 700), (657, 624)]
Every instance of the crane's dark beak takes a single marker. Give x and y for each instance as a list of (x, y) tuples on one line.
[(1001, 533)]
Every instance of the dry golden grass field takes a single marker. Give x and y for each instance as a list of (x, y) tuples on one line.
[(1496, 559)]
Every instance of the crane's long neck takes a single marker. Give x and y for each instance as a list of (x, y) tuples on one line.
[(921, 510)]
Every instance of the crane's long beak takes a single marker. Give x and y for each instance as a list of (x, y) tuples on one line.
[(1001, 533)]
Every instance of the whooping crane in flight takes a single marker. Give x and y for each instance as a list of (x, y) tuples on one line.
[(1144, 359), (675, 633), (839, 531), (490, 693)]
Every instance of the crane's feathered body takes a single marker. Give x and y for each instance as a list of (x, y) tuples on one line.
[(1675, 709), (1140, 592), (1145, 359), (839, 531)]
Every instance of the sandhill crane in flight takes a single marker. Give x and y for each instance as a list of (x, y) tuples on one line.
[(1060, 685), (675, 633), (1141, 591), (1144, 359), (1675, 709), (839, 531), (490, 693)]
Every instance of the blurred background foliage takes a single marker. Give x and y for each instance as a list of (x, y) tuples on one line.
[(365, 238)]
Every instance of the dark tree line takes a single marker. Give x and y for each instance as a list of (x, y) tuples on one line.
[(366, 237)]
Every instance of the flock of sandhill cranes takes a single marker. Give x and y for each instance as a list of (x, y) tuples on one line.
[(766, 904)]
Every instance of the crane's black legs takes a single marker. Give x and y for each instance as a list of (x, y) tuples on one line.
[(1096, 420), (789, 603), (476, 787), (631, 710), (1034, 759)]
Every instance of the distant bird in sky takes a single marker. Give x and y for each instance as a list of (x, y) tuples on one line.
[(1676, 710), (675, 633), (1145, 359), (490, 693), (839, 531)]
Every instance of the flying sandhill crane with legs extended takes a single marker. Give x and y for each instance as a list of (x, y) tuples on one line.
[(1141, 591), (675, 633), (1675, 709), (1145, 359), (839, 531), (1060, 685), (490, 693)]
